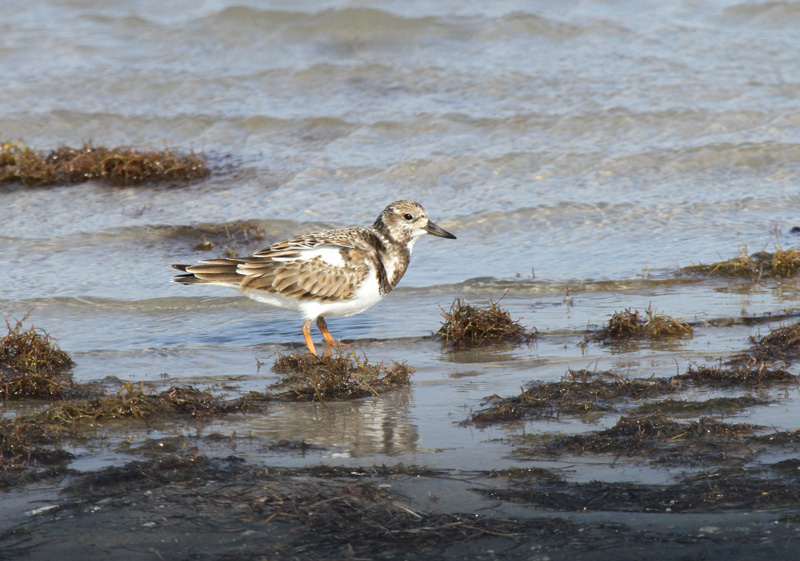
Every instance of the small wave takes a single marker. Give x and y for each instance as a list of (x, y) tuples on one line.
[(753, 156), (75, 303), (240, 19), (497, 287), (526, 23), (769, 13), (346, 23)]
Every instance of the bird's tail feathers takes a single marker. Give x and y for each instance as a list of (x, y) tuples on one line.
[(212, 271)]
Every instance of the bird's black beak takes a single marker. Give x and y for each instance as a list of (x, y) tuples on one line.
[(435, 230)]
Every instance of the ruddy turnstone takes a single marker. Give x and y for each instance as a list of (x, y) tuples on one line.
[(336, 273)]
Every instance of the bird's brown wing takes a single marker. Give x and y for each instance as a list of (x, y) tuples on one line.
[(305, 268), (321, 272)]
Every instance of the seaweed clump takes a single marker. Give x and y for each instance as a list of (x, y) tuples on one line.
[(629, 324), (119, 166), (747, 375), (780, 344), (30, 362), (321, 378), (578, 393), (465, 323), (780, 263)]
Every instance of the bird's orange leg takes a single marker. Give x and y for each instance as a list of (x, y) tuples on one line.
[(307, 337), (325, 333)]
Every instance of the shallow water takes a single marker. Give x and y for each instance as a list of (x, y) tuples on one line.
[(580, 151)]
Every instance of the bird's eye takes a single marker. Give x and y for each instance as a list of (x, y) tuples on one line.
[(408, 217)]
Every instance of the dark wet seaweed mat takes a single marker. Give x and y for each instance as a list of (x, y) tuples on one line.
[(720, 490), (585, 393), (715, 405), (34, 440), (216, 503), (579, 392), (654, 437), (225, 508), (748, 375)]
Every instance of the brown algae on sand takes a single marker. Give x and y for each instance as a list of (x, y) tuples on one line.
[(655, 437), (31, 364), (465, 323), (688, 408), (33, 437), (345, 513), (296, 514), (726, 489), (629, 324), (779, 263), (591, 394), (580, 392), (341, 376), (780, 344), (233, 238), (209, 502), (662, 440), (646, 432), (135, 402), (119, 166), (748, 375)]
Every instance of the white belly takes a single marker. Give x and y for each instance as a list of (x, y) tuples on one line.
[(367, 295)]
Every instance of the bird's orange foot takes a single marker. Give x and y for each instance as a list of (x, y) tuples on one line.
[(323, 327), (307, 337)]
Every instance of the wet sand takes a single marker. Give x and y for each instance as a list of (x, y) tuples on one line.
[(199, 508)]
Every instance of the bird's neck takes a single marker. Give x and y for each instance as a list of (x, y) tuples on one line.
[(394, 256)]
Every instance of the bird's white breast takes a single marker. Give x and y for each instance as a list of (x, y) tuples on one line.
[(367, 295)]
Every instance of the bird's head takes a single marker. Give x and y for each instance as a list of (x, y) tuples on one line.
[(406, 221)]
